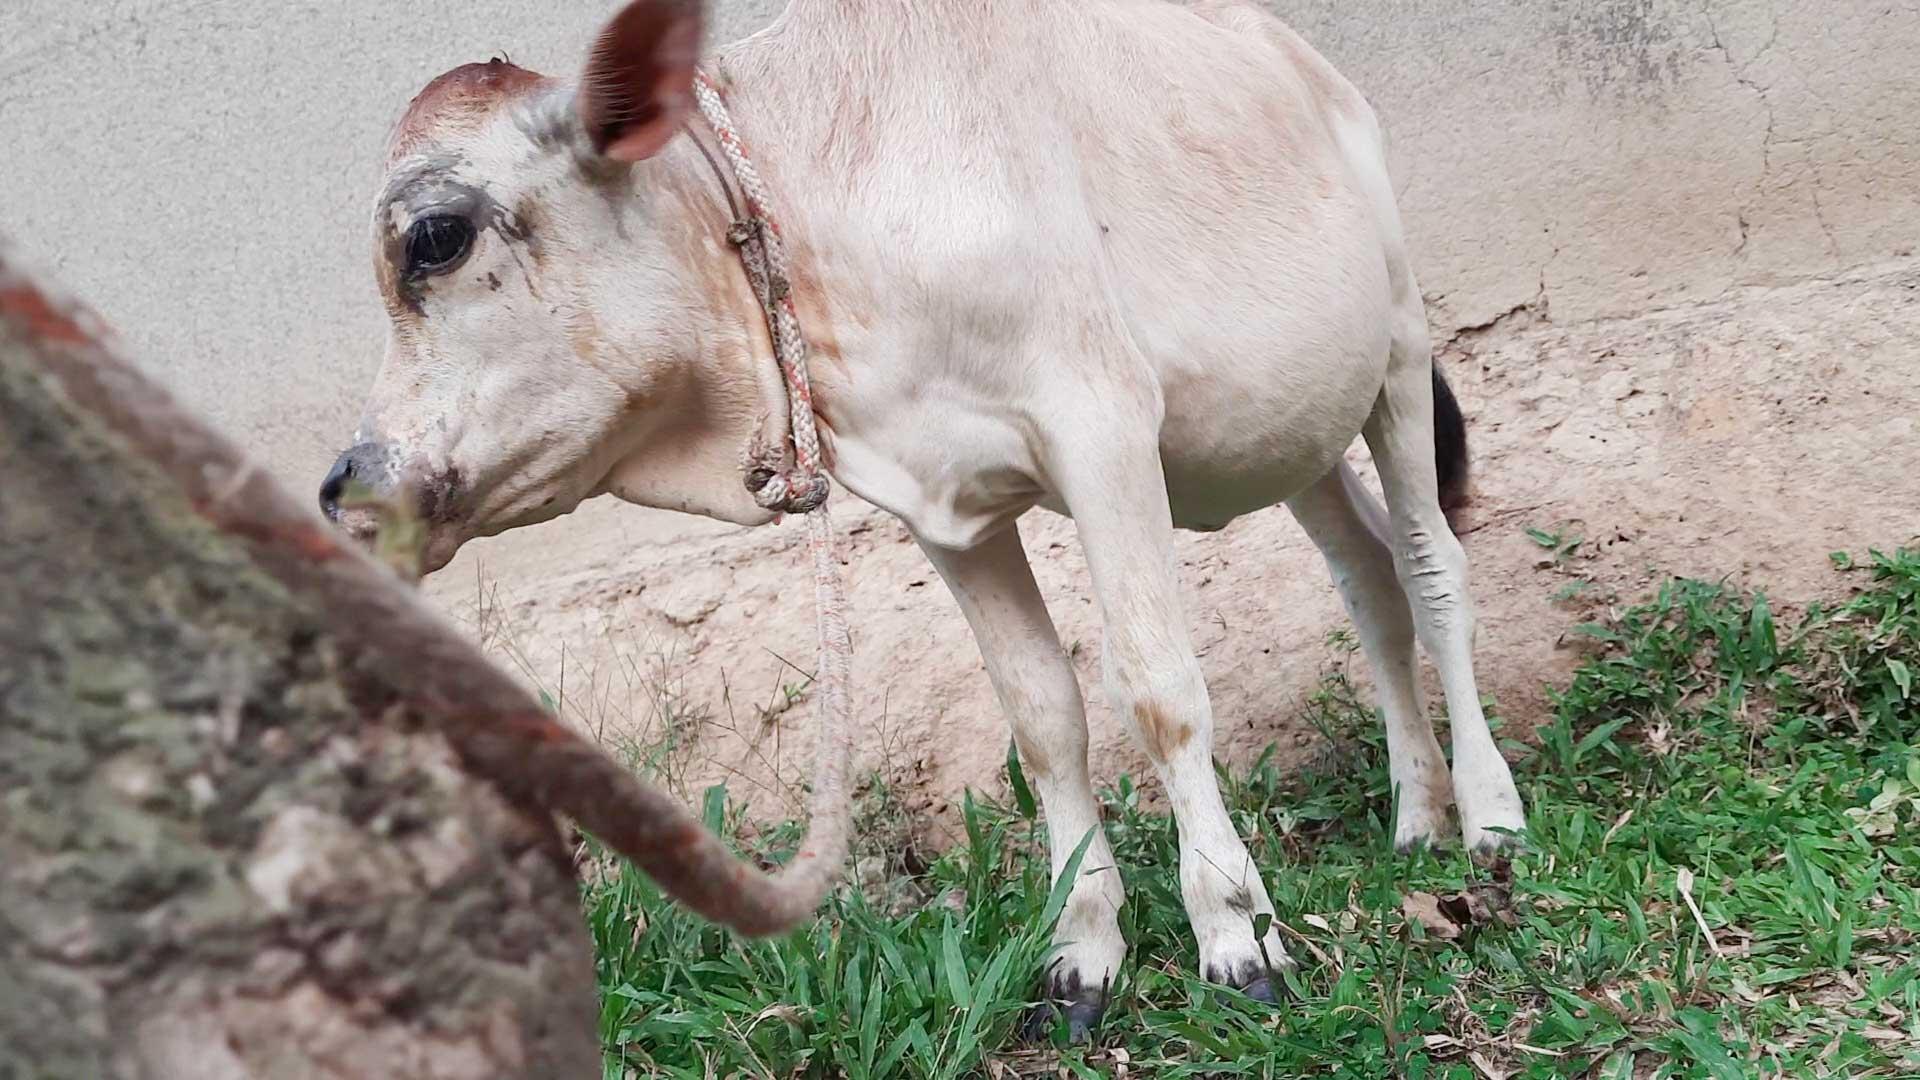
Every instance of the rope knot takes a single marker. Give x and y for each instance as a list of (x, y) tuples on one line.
[(785, 474), (780, 483), (791, 493)]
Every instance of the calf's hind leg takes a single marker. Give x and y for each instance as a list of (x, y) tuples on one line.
[(1432, 568), (1351, 531)]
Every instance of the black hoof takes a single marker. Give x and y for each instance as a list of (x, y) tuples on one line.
[(1261, 989), (1256, 979), (1081, 1016), (1070, 1002)]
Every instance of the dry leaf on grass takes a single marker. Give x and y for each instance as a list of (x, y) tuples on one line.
[(1424, 908), (1447, 917)]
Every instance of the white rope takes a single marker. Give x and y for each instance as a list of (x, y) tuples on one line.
[(804, 485), (799, 486)]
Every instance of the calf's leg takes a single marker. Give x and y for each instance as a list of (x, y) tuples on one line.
[(1035, 683), (1351, 531), (1432, 569), (1114, 487)]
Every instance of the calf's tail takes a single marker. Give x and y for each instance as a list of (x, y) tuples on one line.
[(1450, 457)]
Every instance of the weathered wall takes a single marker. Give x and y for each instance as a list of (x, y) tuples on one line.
[(1606, 156)]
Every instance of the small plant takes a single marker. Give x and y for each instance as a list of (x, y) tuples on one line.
[(1560, 543), (1725, 883)]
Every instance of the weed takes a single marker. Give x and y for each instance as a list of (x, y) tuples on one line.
[(1722, 883), (1561, 544)]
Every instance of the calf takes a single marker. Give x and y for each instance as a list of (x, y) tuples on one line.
[(1138, 263)]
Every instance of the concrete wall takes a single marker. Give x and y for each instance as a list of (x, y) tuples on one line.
[(202, 170), (1605, 156)]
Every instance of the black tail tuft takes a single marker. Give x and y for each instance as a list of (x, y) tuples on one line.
[(1449, 450)]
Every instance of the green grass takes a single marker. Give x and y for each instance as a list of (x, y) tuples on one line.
[(1705, 755)]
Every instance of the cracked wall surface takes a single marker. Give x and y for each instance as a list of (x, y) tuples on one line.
[(205, 169), (1608, 157)]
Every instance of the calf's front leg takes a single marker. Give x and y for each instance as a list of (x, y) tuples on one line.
[(1037, 689), (1117, 494)]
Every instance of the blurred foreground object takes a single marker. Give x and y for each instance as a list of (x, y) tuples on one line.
[(262, 812)]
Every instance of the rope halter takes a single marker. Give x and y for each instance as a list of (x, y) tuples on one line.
[(799, 485), (796, 486)]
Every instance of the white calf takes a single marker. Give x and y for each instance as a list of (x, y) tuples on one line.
[(1136, 262)]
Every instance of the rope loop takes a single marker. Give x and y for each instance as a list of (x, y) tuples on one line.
[(800, 485)]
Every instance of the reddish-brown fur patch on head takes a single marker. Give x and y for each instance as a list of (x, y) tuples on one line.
[(461, 99)]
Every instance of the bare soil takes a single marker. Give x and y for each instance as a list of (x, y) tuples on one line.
[(1750, 435)]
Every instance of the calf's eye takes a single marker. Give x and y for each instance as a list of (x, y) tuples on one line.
[(435, 243)]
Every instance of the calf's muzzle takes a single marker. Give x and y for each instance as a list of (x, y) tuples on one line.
[(365, 464)]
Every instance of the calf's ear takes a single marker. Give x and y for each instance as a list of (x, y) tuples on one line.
[(638, 84)]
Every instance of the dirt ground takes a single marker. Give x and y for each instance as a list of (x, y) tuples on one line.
[(1750, 435)]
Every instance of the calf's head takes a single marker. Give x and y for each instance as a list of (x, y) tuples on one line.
[(566, 317)]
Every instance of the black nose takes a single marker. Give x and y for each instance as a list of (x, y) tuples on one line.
[(358, 463), (334, 484)]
